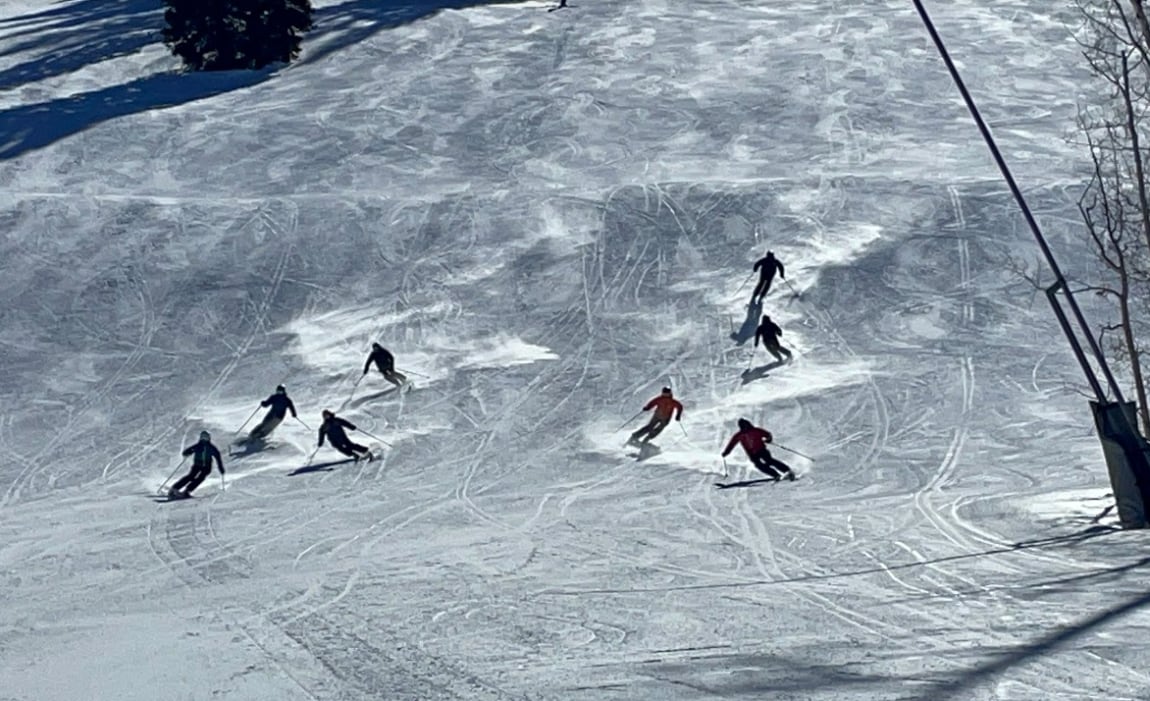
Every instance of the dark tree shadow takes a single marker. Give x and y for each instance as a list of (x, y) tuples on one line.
[(72, 35), (29, 127), (320, 467), (747, 331), (79, 33)]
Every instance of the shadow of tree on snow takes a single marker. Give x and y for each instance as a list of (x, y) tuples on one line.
[(29, 127), (72, 35), (76, 34)]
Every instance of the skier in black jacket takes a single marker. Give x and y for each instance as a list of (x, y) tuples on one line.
[(202, 455), (767, 267), (385, 361), (769, 332), (280, 405), (332, 428)]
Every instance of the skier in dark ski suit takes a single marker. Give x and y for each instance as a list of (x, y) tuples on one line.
[(203, 453), (385, 361), (332, 427), (755, 440), (769, 332), (280, 405), (664, 405), (767, 267)]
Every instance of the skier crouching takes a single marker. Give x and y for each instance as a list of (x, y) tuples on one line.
[(664, 405), (203, 453), (385, 362), (769, 333), (755, 440), (280, 405), (333, 428)]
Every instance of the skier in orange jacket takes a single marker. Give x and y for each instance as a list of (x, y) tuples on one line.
[(755, 440), (664, 405)]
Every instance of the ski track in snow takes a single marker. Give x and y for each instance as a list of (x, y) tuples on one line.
[(548, 216)]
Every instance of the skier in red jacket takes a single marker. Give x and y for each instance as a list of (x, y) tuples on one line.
[(755, 440), (664, 405)]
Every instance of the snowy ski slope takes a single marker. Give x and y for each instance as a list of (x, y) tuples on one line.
[(548, 215)]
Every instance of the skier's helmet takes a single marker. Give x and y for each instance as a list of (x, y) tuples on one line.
[(745, 425), (667, 390), (205, 436), (280, 389), (376, 346), (327, 414)]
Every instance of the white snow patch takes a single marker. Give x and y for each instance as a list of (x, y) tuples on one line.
[(502, 351)]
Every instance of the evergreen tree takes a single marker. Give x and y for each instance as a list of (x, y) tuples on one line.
[(221, 35)]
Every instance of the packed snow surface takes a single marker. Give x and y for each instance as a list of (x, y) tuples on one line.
[(548, 216)]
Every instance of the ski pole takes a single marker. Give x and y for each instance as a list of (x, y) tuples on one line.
[(683, 429), (245, 423), (726, 470), (302, 422), (798, 294), (417, 374), (749, 276), (370, 435), (789, 450), (165, 482), (628, 421), (223, 484), (353, 388)]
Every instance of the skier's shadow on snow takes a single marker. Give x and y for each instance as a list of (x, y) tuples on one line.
[(381, 394), (248, 446), (745, 483), (646, 450), (747, 331), (761, 371), (320, 467)]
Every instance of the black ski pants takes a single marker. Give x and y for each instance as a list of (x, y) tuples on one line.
[(193, 479), (653, 428), (265, 427), (767, 465), (392, 375), (778, 351), (352, 450), (764, 286)]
